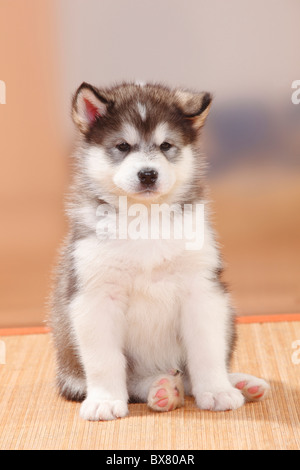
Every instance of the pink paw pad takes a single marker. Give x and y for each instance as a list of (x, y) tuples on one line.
[(161, 393), (253, 392), (256, 392), (162, 381), (162, 403), (240, 385)]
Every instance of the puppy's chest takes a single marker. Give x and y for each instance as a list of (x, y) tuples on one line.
[(155, 277), (153, 314), (154, 288), (149, 274)]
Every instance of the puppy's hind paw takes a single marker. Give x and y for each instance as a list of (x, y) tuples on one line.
[(253, 388), (167, 392)]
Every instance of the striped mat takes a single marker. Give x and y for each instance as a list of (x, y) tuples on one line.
[(32, 416)]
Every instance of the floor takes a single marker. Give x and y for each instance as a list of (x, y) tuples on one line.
[(32, 416)]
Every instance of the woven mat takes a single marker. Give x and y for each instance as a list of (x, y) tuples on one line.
[(32, 416)]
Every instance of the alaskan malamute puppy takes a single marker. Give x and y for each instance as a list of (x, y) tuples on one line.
[(142, 318)]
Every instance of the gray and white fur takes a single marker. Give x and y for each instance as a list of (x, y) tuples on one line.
[(126, 314)]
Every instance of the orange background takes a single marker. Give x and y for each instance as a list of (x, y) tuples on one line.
[(33, 166)]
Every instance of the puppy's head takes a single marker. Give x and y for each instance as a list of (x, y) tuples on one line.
[(140, 140)]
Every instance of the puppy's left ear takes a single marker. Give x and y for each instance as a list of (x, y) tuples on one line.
[(195, 106)]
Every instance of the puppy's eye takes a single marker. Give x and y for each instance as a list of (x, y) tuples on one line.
[(123, 147), (165, 146)]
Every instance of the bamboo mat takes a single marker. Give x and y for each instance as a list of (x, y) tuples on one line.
[(32, 416)]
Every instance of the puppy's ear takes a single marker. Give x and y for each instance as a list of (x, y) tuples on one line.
[(88, 106), (195, 106)]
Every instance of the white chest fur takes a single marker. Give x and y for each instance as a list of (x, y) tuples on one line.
[(149, 279)]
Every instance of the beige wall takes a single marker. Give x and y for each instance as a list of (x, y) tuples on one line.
[(233, 48)]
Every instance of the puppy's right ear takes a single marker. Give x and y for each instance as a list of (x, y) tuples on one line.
[(88, 106)]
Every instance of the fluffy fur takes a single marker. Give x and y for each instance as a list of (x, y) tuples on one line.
[(126, 313)]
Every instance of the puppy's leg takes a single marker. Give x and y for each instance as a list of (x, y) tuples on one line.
[(206, 320), (253, 388), (98, 322), (166, 392)]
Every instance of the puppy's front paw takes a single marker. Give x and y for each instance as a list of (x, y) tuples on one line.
[(229, 399), (103, 410)]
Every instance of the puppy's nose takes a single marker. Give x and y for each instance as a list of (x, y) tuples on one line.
[(147, 177)]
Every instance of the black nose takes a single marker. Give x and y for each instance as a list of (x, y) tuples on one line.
[(147, 177)]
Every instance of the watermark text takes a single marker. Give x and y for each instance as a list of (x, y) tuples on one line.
[(2, 92), (296, 353), (154, 222), (2, 352), (296, 93)]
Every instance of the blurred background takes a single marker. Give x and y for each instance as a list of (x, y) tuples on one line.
[(246, 52)]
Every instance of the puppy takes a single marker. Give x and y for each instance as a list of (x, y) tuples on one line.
[(136, 317)]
